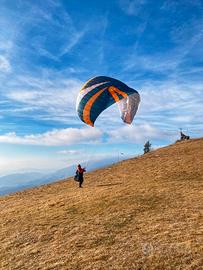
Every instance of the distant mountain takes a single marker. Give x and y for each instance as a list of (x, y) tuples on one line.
[(19, 181), (19, 178)]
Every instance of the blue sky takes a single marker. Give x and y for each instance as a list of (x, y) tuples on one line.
[(48, 49)]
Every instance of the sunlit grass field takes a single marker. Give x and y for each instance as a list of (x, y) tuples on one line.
[(142, 213)]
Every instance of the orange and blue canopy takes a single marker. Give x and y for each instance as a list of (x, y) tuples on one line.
[(101, 92)]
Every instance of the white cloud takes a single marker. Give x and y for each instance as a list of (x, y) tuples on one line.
[(4, 64), (124, 134), (183, 118), (132, 7), (69, 152), (135, 134), (56, 137)]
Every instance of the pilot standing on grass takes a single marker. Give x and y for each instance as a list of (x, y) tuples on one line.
[(79, 173)]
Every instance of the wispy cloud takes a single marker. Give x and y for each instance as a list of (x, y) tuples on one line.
[(132, 7), (73, 41), (5, 65), (63, 31), (51, 31), (104, 25), (169, 46), (162, 63), (48, 98), (171, 104), (69, 152)]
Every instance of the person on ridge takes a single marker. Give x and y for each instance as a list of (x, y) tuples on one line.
[(80, 172)]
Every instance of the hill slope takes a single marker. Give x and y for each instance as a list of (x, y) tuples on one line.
[(143, 213)]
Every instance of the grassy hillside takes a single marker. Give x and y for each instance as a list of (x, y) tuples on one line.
[(143, 213)]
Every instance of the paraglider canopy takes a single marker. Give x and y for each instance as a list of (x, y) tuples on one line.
[(101, 92)]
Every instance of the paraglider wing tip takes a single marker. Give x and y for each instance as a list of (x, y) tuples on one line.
[(128, 122)]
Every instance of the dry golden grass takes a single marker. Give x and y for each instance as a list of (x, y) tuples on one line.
[(143, 213)]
